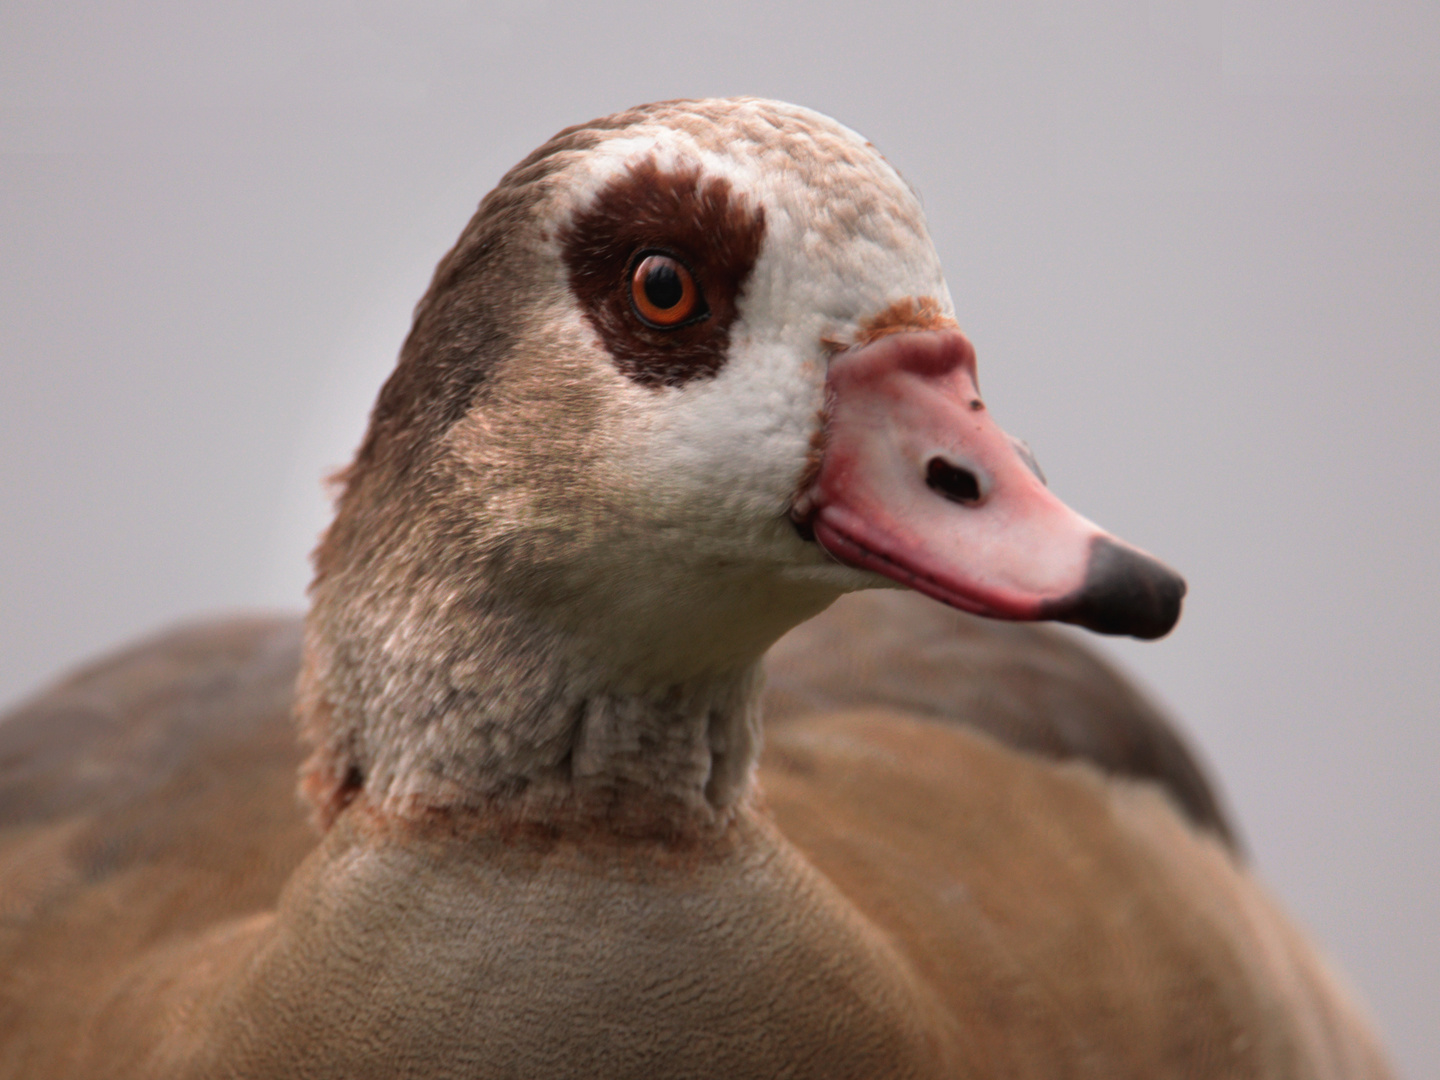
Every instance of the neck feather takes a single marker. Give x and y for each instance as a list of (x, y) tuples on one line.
[(493, 720)]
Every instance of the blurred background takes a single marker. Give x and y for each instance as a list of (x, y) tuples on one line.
[(1197, 246)]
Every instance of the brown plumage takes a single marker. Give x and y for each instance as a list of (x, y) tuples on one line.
[(149, 827), (530, 700)]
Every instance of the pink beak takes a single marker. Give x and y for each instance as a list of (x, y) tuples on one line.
[(916, 482)]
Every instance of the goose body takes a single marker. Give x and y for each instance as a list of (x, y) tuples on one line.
[(690, 374)]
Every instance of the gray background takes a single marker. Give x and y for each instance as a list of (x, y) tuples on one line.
[(1196, 245)]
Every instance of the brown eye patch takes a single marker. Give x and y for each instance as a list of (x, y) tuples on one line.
[(696, 241)]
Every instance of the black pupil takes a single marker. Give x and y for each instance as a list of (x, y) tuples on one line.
[(663, 286)]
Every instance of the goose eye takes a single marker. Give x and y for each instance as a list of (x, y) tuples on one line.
[(664, 292)]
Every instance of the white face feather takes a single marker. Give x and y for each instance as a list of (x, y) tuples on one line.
[(844, 240)]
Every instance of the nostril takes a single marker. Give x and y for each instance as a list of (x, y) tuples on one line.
[(956, 484)]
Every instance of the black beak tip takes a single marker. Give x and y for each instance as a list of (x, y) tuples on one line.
[(1125, 592)]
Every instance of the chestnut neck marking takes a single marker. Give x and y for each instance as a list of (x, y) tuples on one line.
[(703, 222)]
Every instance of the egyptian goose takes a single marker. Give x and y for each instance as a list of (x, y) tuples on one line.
[(690, 374)]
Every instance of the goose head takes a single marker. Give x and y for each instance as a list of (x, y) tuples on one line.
[(690, 373)]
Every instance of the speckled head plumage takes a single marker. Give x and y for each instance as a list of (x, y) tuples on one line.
[(515, 503)]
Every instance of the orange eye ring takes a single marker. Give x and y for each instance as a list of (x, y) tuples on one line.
[(663, 291)]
